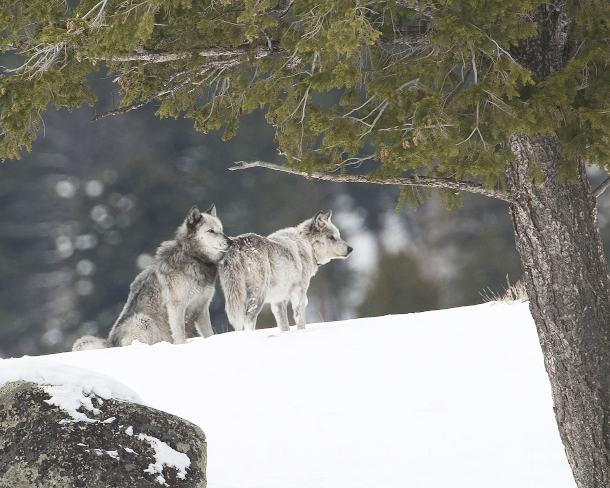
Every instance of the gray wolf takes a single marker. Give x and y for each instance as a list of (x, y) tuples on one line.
[(277, 268), (174, 292)]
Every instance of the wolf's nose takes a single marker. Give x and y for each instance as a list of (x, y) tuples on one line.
[(349, 249)]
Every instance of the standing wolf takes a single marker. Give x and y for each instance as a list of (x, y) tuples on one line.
[(274, 269), (175, 291)]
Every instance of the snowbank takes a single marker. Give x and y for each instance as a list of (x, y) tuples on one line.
[(455, 398)]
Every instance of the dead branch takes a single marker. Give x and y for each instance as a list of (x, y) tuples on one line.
[(148, 56), (414, 180), (124, 110), (602, 187)]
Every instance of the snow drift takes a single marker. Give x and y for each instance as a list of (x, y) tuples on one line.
[(454, 398)]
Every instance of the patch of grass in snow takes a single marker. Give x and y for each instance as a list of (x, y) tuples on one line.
[(514, 293)]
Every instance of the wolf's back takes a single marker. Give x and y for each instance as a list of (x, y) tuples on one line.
[(89, 343)]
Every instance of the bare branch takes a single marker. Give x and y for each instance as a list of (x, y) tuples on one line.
[(99, 18), (414, 180), (602, 187), (148, 56), (457, 89), (124, 110)]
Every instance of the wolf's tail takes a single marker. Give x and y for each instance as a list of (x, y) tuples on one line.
[(88, 343), (233, 283)]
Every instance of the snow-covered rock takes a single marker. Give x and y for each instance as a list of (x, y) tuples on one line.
[(67, 434)]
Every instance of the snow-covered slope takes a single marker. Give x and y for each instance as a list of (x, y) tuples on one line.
[(454, 399)]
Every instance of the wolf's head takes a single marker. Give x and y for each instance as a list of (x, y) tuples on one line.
[(325, 239), (205, 231)]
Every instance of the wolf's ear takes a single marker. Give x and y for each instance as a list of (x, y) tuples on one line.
[(211, 210), (322, 217), (318, 220), (193, 216)]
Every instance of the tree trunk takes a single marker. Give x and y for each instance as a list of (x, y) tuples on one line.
[(568, 284), (565, 270)]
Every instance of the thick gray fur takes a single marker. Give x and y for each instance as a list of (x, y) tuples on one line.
[(277, 268), (175, 291)]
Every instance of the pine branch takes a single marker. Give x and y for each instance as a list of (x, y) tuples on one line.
[(411, 35), (414, 180), (141, 103)]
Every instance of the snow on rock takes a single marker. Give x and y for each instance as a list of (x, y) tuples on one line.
[(165, 456), (38, 444), (69, 387)]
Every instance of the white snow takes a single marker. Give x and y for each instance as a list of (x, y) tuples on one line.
[(69, 386), (165, 455), (114, 455), (454, 398)]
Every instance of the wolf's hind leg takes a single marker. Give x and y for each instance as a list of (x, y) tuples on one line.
[(280, 312), (140, 327), (254, 305), (299, 304)]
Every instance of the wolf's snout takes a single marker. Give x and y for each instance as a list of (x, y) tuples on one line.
[(349, 250)]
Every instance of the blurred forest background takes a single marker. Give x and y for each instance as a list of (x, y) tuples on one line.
[(84, 212)]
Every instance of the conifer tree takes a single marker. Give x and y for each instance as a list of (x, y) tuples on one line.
[(509, 99)]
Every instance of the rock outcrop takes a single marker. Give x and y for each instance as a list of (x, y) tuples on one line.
[(110, 443)]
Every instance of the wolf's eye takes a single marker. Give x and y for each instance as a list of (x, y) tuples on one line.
[(212, 231)]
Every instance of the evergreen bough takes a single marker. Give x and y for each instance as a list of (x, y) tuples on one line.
[(510, 99)]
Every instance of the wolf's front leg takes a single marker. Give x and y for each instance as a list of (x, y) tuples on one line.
[(280, 312), (203, 323), (176, 316), (299, 304)]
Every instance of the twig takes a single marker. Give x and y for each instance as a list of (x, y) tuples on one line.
[(414, 180), (602, 187), (124, 110), (456, 90)]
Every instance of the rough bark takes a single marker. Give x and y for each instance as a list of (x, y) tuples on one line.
[(567, 280), (544, 54)]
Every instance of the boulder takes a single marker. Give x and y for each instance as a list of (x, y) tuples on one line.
[(103, 444)]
